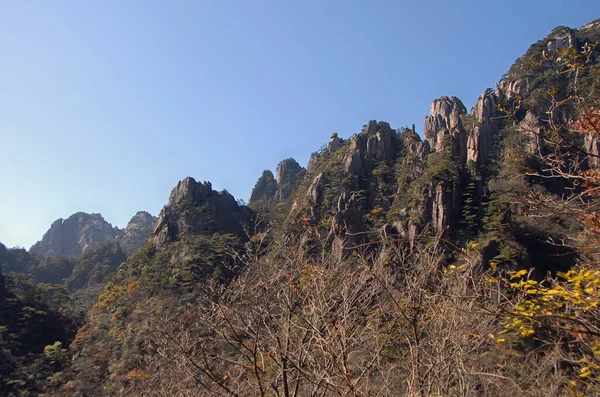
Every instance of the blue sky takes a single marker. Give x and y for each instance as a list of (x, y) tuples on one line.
[(105, 105)]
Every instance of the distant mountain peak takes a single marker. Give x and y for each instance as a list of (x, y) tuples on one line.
[(82, 232)]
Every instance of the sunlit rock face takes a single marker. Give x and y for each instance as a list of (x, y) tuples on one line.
[(77, 234), (195, 208)]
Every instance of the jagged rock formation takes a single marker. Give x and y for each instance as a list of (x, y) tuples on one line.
[(136, 232), (278, 190), (78, 233), (312, 161), (561, 39), (347, 225), (335, 143), (316, 189), (379, 184), (82, 232), (487, 118), (445, 121), (265, 188), (375, 143), (195, 208), (287, 176)]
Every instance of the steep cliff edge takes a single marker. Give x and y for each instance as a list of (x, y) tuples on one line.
[(78, 233), (82, 232), (195, 208)]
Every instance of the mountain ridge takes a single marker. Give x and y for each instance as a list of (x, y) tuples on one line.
[(82, 232), (332, 276)]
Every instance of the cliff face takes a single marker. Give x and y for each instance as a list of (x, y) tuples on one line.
[(265, 188), (387, 180), (78, 233), (445, 120), (269, 190), (195, 208), (137, 232), (82, 232)]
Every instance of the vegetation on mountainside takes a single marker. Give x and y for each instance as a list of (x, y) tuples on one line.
[(43, 301), (35, 323), (505, 303), (561, 311)]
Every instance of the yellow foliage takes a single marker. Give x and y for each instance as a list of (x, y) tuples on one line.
[(138, 375), (132, 287)]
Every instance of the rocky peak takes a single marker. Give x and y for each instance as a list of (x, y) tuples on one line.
[(287, 171), (265, 188), (335, 143), (312, 161), (487, 119), (137, 231), (287, 175), (188, 190), (412, 144), (560, 39), (196, 208), (376, 142), (445, 119), (593, 26), (77, 234)]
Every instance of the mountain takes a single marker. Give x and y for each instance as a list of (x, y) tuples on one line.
[(136, 232), (72, 236), (82, 232), (195, 208), (459, 262)]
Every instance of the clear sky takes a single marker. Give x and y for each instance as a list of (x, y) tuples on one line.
[(105, 105)]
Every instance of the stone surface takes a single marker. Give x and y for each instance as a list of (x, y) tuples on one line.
[(560, 40), (264, 189), (334, 144), (445, 119), (312, 161), (481, 138), (347, 226), (195, 208), (136, 232), (317, 189), (72, 236), (287, 176), (377, 142)]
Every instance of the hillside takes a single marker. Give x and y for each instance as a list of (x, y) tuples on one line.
[(459, 261)]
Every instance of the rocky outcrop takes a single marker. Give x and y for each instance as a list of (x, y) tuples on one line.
[(195, 208), (312, 161), (78, 233), (137, 231), (411, 143), (560, 39), (346, 226), (317, 189), (445, 207), (445, 120), (335, 143), (264, 189), (271, 190), (376, 142), (487, 118), (315, 195), (287, 175), (592, 146), (512, 89), (532, 127)]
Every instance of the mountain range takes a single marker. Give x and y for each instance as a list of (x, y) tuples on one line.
[(363, 273)]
